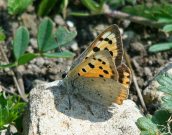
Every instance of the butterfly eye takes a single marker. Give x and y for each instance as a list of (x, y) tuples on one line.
[(64, 75)]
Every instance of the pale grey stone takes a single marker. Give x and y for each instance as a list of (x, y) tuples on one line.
[(49, 113)]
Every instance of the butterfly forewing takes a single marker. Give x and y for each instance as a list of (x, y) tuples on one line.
[(98, 65), (109, 40)]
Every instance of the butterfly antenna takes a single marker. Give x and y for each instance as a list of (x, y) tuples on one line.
[(127, 59)]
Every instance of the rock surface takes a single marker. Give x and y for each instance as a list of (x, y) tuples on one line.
[(49, 113)]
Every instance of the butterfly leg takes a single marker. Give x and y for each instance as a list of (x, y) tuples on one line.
[(89, 109), (69, 102), (67, 88)]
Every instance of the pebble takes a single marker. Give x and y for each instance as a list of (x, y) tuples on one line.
[(59, 20), (70, 23), (148, 72), (137, 46), (40, 61), (30, 22), (74, 46), (33, 42)]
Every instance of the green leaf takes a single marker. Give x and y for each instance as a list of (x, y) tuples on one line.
[(45, 40), (93, 6), (160, 47), (8, 65), (160, 12), (165, 81), (21, 41), (164, 20), (63, 36), (167, 28), (146, 126), (115, 3), (17, 6), (63, 7), (165, 89), (167, 103), (160, 117), (11, 108), (133, 2), (2, 35), (64, 54), (26, 58), (19, 124), (79, 14), (46, 6)]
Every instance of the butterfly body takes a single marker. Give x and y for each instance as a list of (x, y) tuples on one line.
[(95, 74)]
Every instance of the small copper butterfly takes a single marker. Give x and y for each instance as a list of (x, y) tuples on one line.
[(99, 74)]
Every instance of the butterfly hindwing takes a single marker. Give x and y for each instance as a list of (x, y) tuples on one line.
[(109, 40), (100, 90), (124, 75)]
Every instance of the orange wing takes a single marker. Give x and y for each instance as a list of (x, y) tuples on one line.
[(125, 79), (124, 75), (110, 40), (99, 64)]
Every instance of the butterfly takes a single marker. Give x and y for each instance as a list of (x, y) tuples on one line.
[(99, 74)]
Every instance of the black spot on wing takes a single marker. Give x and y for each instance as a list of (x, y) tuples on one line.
[(110, 41), (99, 60), (121, 79), (101, 76), (100, 67), (96, 49), (103, 63), (91, 65), (105, 71), (106, 39), (83, 69), (111, 53)]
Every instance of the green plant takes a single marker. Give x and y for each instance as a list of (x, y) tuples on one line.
[(47, 41), (2, 35), (118, 3), (160, 47), (11, 109), (94, 7), (161, 121), (159, 12), (46, 6), (17, 6)]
